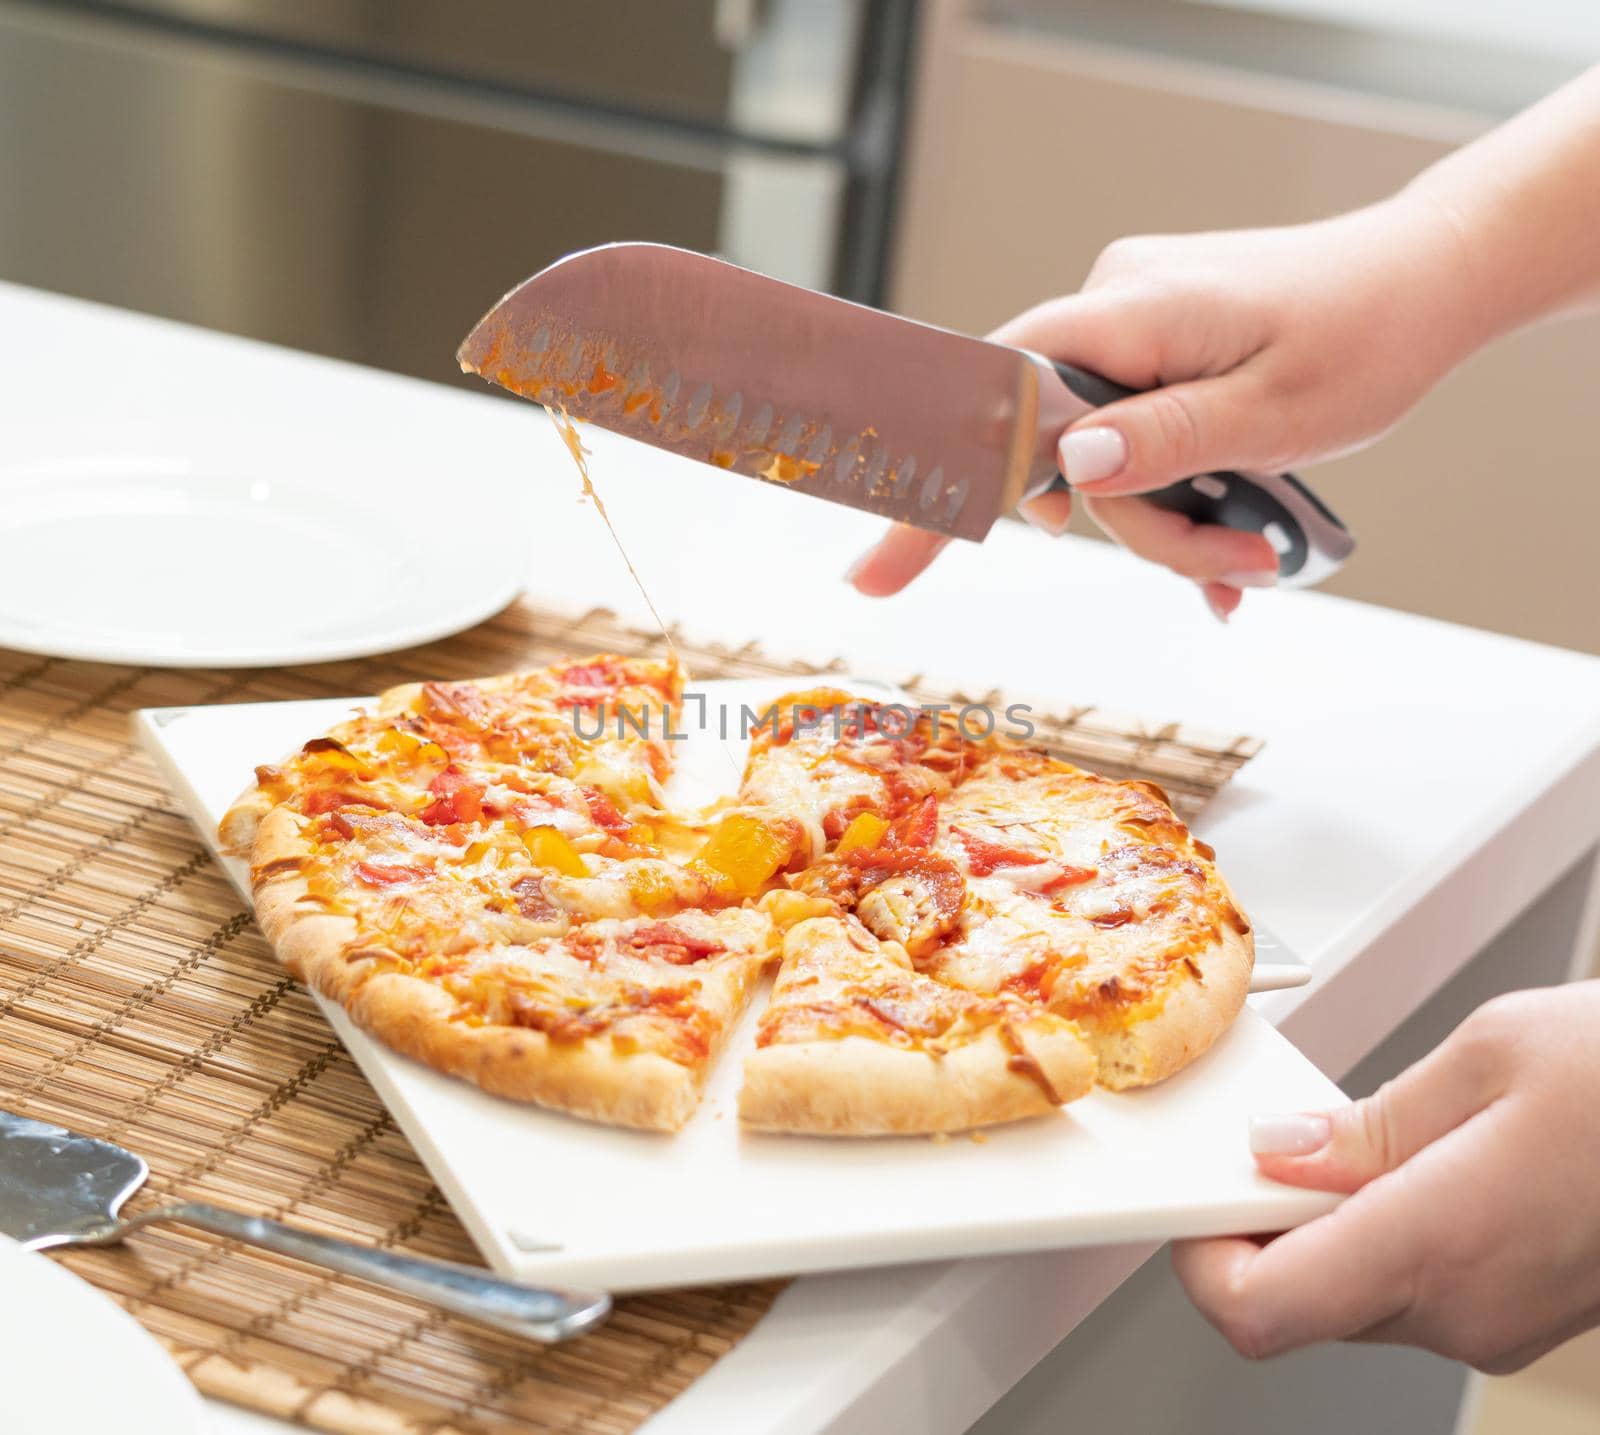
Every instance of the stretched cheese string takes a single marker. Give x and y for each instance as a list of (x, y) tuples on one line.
[(580, 456)]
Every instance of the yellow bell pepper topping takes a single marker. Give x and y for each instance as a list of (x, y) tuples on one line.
[(741, 855), (549, 848), (863, 834), (652, 890), (323, 753), (398, 742)]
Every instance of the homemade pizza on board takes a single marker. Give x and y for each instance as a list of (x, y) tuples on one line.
[(489, 877)]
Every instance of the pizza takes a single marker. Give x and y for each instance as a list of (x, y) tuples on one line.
[(491, 877)]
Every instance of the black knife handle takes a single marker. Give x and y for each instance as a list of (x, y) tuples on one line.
[(1310, 541)]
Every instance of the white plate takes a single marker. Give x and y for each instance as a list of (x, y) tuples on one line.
[(231, 560), (71, 1360), (551, 1198)]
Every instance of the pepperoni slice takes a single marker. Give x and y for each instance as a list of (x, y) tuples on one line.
[(604, 812), (592, 675), (330, 799), (531, 900), (666, 943), (454, 702), (384, 874)]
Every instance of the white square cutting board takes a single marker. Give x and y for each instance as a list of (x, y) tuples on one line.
[(550, 1198)]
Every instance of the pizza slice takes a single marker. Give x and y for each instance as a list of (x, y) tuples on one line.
[(616, 1019), (857, 1042), (466, 752), (1090, 897), (826, 756)]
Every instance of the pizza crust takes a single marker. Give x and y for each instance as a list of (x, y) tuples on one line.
[(236, 833), (1018, 1062), (857, 1086), (309, 940), (587, 1077), (1166, 1033)]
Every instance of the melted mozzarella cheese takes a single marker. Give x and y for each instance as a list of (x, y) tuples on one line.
[(1002, 934), (1111, 893), (564, 820), (610, 889), (1008, 815), (792, 778)]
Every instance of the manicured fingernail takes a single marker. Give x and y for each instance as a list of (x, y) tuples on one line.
[(1092, 455), (1295, 1134), (1219, 610), (1257, 578)]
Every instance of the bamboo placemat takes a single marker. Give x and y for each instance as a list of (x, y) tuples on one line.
[(139, 1003)]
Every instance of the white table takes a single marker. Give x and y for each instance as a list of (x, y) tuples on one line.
[(1421, 788)]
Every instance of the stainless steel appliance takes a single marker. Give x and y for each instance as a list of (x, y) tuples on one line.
[(354, 176)]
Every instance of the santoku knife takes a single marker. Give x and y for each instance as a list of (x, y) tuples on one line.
[(833, 399)]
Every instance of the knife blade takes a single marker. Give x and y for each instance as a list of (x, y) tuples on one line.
[(832, 399)]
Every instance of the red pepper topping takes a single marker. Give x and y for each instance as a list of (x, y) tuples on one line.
[(984, 856), (456, 799), (603, 812), (917, 828), (1070, 877)]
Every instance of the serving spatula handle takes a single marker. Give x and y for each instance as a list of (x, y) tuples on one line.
[(528, 1311), (1310, 541)]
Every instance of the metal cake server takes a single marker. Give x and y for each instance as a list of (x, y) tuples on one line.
[(834, 399), (61, 1189)]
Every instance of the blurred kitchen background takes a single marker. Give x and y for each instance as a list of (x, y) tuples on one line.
[(363, 177)]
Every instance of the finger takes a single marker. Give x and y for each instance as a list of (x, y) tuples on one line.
[(1108, 331), (1344, 1149), (1221, 599), (1341, 1274), (891, 563), (1220, 417), (1157, 438), (1206, 552), (1050, 510)]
